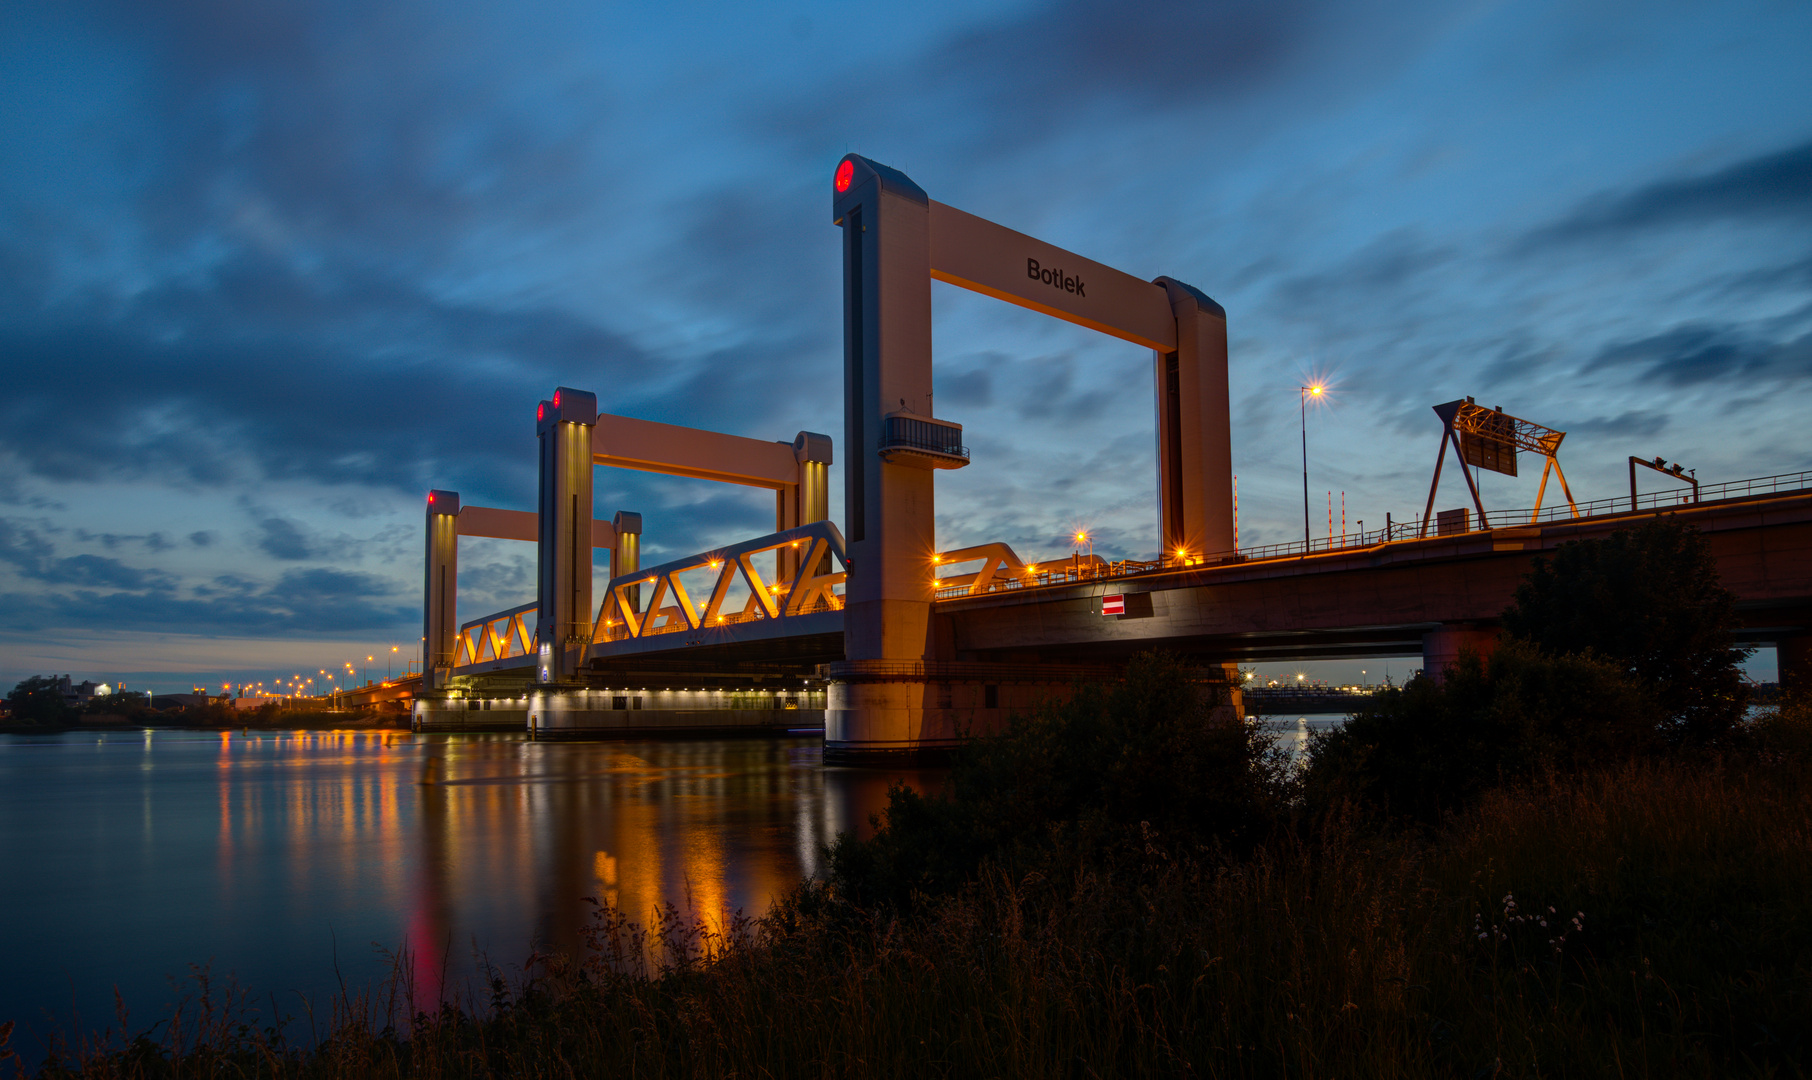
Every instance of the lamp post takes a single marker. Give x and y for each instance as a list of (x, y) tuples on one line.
[(1303, 411)]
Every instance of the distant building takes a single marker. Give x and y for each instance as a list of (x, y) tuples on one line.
[(78, 693)]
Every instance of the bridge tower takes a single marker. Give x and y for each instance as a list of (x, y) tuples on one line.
[(440, 589), (563, 557), (891, 693)]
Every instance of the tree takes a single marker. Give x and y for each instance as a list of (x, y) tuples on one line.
[(1647, 600), (39, 699), (1155, 754), (1430, 748)]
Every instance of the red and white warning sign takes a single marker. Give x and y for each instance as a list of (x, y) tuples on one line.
[(1113, 605)]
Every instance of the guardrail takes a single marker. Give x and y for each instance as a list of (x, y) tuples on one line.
[(810, 567), (497, 637), (1078, 569)]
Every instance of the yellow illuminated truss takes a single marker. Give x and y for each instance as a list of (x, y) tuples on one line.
[(997, 561), (497, 637), (1002, 569), (657, 601)]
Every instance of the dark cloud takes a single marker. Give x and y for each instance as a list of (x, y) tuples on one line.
[(282, 539), (966, 388), (300, 603), (260, 371), (34, 558), (1389, 265), (201, 538), (1701, 352), (155, 541), (1049, 70), (1642, 422), (1768, 187)]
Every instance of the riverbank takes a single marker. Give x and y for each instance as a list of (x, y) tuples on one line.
[(222, 720), (1654, 919)]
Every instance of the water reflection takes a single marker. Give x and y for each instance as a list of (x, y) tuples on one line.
[(1293, 732), (708, 828), (280, 855)]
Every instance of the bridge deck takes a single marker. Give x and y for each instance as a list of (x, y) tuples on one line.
[(1372, 601)]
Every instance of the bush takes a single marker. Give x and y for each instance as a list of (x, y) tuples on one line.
[(37, 700), (1784, 728), (1647, 600), (1430, 747), (1156, 757)]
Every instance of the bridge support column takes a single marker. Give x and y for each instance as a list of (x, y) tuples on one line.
[(881, 711), (1195, 442), (1236, 692), (440, 589), (890, 525), (1793, 658), (1441, 646), (563, 595), (626, 556), (807, 501)]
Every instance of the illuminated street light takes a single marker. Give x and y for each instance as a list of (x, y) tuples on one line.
[(1316, 391)]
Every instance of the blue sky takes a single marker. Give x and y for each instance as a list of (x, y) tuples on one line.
[(269, 271)]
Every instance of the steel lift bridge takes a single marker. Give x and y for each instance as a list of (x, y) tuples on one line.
[(833, 626), (854, 630)]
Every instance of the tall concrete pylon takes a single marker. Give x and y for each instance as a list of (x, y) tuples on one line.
[(563, 556), (440, 589), (887, 696)]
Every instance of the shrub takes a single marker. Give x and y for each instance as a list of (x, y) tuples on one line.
[(1785, 727), (37, 700), (1647, 600), (1155, 755), (1432, 747)]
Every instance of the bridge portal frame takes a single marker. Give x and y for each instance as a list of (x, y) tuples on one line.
[(896, 241), (445, 641)]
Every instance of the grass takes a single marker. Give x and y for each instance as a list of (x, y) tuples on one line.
[(1677, 942)]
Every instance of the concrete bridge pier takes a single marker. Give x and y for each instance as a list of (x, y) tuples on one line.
[(1441, 647), (1793, 658)]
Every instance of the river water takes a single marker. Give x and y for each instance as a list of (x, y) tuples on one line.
[(274, 857), (290, 860)]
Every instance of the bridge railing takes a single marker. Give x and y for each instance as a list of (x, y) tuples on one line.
[(1005, 575), (727, 585), (497, 637)]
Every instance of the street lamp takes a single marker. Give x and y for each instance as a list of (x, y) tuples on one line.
[(1303, 411)]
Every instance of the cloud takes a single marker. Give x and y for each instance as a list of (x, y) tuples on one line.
[(1387, 266), (974, 388), (299, 604), (1767, 187), (1702, 352), (281, 539), (1046, 72), (1634, 422), (34, 558), (261, 371)]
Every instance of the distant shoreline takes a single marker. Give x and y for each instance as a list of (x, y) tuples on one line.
[(322, 721)]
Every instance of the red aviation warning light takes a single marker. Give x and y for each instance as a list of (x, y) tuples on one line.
[(430, 498), (541, 411), (845, 173), (556, 399)]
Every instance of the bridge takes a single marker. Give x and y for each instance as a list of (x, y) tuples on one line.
[(868, 632)]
